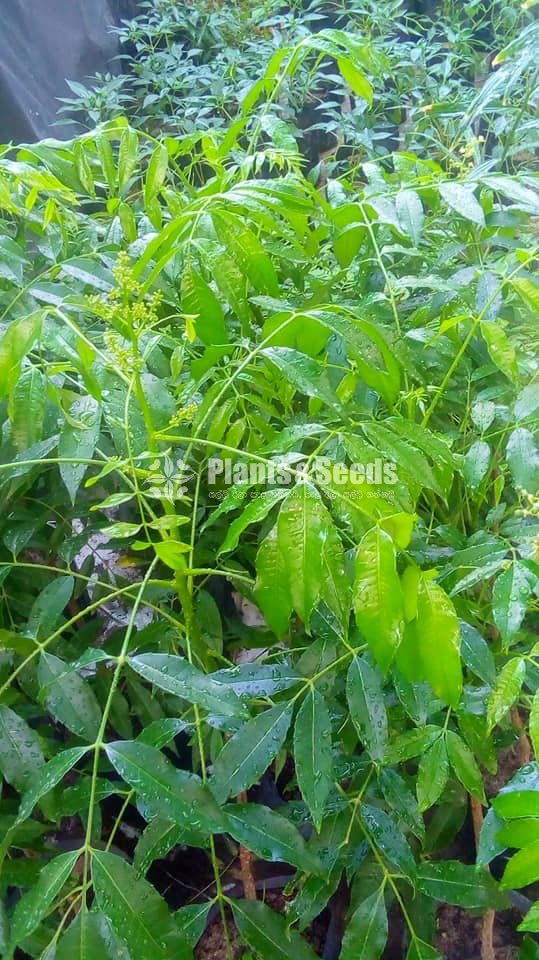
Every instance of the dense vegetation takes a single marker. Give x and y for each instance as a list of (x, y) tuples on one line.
[(309, 252)]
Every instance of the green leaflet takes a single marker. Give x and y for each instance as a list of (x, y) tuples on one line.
[(523, 459), (157, 171), (377, 596), (349, 236), (303, 525), (34, 905), (161, 732), (258, 680), (474, 731), (500, 348), (48, 607), (360, 336), (416, 698), (272, 591), (432, 773), (488, 301), (303, 373), (474, 565), (211, 624), (301, 561), (531, 920), (456, 883), (47, 778), (230, 282), (246, 250), (365, 695), (246, 756), (69, 698), (106, 159), (280, 132), (120, 531), (515, 191), (402, 801), (422, 951), (268, 934), (483, 413), (200, 302), (191, 921), (412, 743), (510, 597), (506, 690), (490, 845), (233, 500), (84, 170), (465, 766), (84, 939), (138, 915), (477, 654), (476, 463), (13, 259), (527, 402), (440, 661), (410, 580), (270, 836), (355, 78), (128, 222), (521, 803), (388, 838), (177, 676), (256, 511), (264, 83), (15, 343), (520, 833), (165, 791), (170, 552), (520, 797), (528, 291), (462, 200), (159, 838), (127, 157), (366, 935), (412, 464), (90, 273), (26, 407), (20, 752), (79, 442), (335, 589), (313, 896), (442, 461), (312, 753), (410, 213)]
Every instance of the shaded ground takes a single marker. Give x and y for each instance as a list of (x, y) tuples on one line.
[(459, 934)]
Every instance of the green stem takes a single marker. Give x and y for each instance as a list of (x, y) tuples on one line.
[(100, 739)]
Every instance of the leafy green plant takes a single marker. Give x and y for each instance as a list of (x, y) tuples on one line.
[(512, 822), (440, 92), (226, 389)]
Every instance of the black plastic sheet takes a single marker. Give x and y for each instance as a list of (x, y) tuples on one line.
[(43, 42)]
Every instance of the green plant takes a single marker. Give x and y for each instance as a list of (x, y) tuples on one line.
[(438, 90), (513, 823), (170, 304)]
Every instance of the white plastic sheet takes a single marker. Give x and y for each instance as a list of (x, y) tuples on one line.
[(43, 42)]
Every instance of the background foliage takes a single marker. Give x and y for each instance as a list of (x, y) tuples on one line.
[(205, 279)]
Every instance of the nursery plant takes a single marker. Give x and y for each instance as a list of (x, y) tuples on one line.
[(188, 68), (268, 538)]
